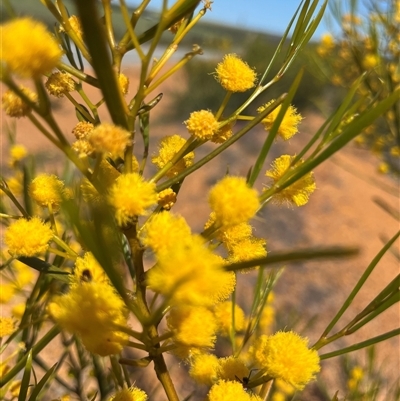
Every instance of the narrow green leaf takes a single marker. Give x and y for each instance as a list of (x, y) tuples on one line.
[(296, 255), (26, 378), (359, 284), (274, 130), (95, 38), (45, 268), (363, 344), (45, 379)]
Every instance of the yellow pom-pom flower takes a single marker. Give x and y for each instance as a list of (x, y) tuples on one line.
[(202, 124), (28, 237), (108, 138), (130, 196), (168, 148), (93, 311), (226, 390), (17, 153), (286, 356), (164, 230), (194, 327), (14, 106), (166, 199), (289, 124), (234, 74), (60, 83), (6, 326), (199, 280), (82, 130), (231, 368), (28, 49), (203, 369), (299, 192), (47, 191), (233, 201), (87, 268), (129, 394), (247, 249)]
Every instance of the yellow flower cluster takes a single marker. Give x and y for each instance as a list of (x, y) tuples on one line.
[(48, 191), (299, 192), (28, 237), (129, 394), (14, 106), (92, 309), (286, 356), (230, 391), (202, 124), (169, 146), (131, 195), (233, 201), (109, 139), (289, 124), (28, 49), (235, 75), (60, 83)]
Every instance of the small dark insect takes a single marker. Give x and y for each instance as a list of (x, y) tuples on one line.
[(86, 276)]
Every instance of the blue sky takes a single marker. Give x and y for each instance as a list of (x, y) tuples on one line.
[(266, 15)]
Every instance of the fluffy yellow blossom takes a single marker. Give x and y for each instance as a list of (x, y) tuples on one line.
[(326, 45), (202, 124), (83, 148), (370, 61), (88, 268), (203, 369), (223, 314), (47, 191), (233, 201), (60, 83), (129, 394), (164, 230), (247, 249), (6, 293), (228, 391), (28, 49), (108, 138), (193, 326), (123, 82), (82, 130), (17, 153), (28, 237), (222, 134), (6, 326), (286, 356), (18, 310), (199, 280), (233, 235), (299, 192), (14, 106), (93, 310), (130, 196), (235, 75), (231, 368), (289, 124), (383, 168), (166, 198), (168, 148)]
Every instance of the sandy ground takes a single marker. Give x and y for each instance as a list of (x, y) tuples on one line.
[(341, 212)]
